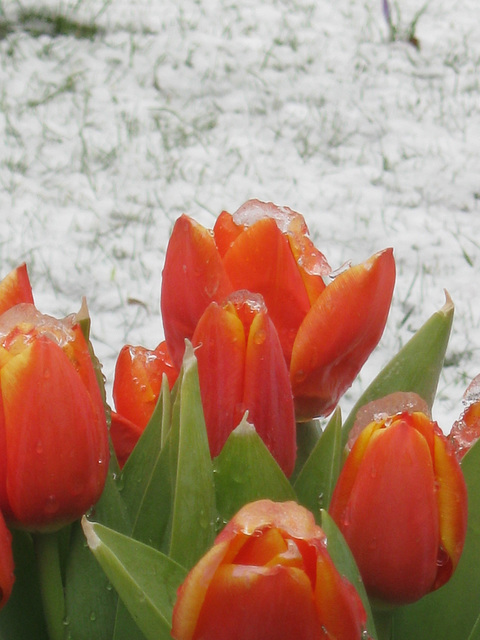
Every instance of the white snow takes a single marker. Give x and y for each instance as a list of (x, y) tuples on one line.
[(198, 105)]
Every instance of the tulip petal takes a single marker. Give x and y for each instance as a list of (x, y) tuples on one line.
[(339, 333), (261, 261), (193, 276), (338, 604), (124, 434), (279, 602), (219, 342), (57, 472), (226, 232), (15, 288), (452, 506), (267, 393)]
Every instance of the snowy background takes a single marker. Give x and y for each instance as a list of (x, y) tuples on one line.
[(117, 116)]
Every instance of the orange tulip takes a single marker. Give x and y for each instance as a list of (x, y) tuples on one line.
[(401, 503), (53, 433), (241, 368), (138, 378), (136, 387), (268, 575), (326, 332)]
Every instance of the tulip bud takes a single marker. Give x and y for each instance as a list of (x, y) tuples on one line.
[(401, 503), (241, 368), (268, 575), (53, 433)]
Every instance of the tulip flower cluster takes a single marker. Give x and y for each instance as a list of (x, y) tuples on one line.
[(271, 337), (216, 500)]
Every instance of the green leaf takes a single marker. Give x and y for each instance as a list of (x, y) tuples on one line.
[(246, 471), (146, 579), (145, 478), (451, 612), (14, 623), (416, 367), (316, 480), (193, 511), (344, 561), (90, 602)]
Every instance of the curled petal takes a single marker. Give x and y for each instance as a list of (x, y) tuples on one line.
[(193, 276), (339, 333)]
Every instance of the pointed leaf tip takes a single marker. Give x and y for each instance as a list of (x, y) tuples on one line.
[(93, 540)]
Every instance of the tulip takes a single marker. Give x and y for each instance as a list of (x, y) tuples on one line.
[(15, 288), (53, 433), (7, 577), (326, 332), (138, 379), (241, 368), (268, 575), (401, 503), (136, 387)]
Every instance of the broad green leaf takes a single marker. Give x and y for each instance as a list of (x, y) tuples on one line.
[(346, 566), (146, 579), (246, 471), (416, 367), (316, 480), (90, 601), (451, 612), (14, 623), (194, 514)]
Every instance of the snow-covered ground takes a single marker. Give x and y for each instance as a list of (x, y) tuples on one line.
[(198, 105)]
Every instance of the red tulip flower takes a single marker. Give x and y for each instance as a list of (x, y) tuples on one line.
[(136, 387), (401, 503), (241, 368), (268, 575), (326, 332), (53, 433)]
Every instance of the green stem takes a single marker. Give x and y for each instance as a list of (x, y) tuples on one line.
[(383, 623), (51, 586)]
